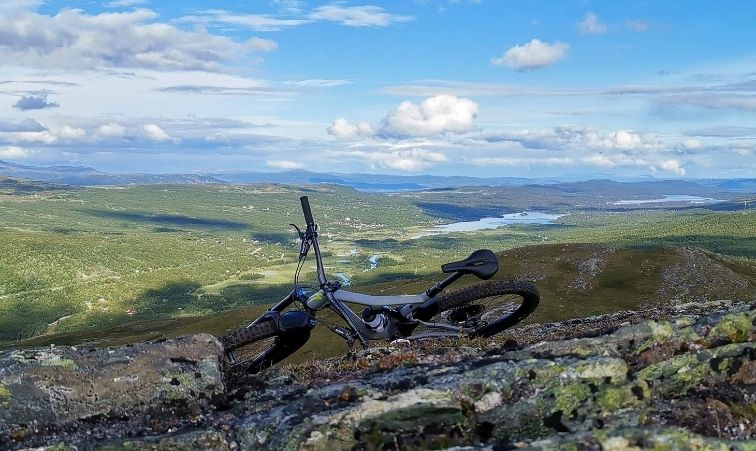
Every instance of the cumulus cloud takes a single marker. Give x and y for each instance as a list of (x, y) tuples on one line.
[(39, 137), (520, 161), (690, 145), (342, 129), (111, 130), (591, 25), (673, 166), (577, 138), (261, 45), (409, 160), (533, 55), (35, 102), (438, 114), (285, 164), (68, 132), (72, 39), (623, 159), (13, 152), (157, 134), (357, 16)]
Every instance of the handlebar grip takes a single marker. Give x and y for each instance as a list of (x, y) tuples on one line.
[(306, 209)]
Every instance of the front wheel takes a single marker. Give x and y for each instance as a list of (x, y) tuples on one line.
[(267, 341), (488, 308)]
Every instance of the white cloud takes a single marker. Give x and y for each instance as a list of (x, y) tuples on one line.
[(600, 160), (520, 161), (673, 166), (258, 22), (317, 83), (13, 152), (591, 25), (533, 55), (439, 114), (284, 164), (623, 139), (623, 159), (261, 45), (342, 129), (357, 16), (41, 137), (410, 160), (72, 39), (68, 132), (579, 138), (155, 133), (111, 130), (690, 144)]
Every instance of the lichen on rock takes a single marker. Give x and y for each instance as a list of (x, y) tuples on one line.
[(680, 382)]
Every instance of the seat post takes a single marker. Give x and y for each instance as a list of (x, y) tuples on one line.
[(437, 288)]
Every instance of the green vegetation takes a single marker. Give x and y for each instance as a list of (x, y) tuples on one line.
[(124, 263)]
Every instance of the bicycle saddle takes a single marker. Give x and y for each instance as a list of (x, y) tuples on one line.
[(481, 263)]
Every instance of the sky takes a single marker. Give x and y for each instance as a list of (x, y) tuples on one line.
[(565, 89)]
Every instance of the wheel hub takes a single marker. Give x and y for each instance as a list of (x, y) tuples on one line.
[(465, 314)]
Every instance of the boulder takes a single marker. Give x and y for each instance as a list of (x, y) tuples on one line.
[(50, 388)]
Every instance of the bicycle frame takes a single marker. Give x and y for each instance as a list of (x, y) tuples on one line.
[(408, 305)]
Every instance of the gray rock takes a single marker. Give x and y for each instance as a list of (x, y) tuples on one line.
[(54, 386), (684, 382)]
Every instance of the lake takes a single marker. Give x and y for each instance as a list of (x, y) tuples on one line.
[(493, 222), (670, 198)]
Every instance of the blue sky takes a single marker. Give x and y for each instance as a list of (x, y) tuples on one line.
[(570, 89)]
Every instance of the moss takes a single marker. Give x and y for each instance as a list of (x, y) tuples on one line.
[(548, 374), (659, 331), (614, 398), (5, 396), (58, 362), (569, 397), (413, 417), (601, 368), (732, 328)]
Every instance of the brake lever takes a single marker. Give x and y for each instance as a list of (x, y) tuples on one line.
[(299, 231)]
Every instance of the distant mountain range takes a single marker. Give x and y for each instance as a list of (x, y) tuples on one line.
[(83, 175), (87, 176)]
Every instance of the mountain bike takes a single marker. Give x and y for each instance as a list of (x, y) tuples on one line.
[(481, 310)]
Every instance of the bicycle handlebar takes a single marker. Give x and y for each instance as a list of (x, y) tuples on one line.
[(306, 210)]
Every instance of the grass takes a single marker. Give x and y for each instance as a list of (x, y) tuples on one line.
[(115, 265)]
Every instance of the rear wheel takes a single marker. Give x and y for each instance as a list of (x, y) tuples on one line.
[(487, 308)]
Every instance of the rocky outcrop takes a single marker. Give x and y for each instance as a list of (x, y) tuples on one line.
[(56, 389), (685, 382)]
